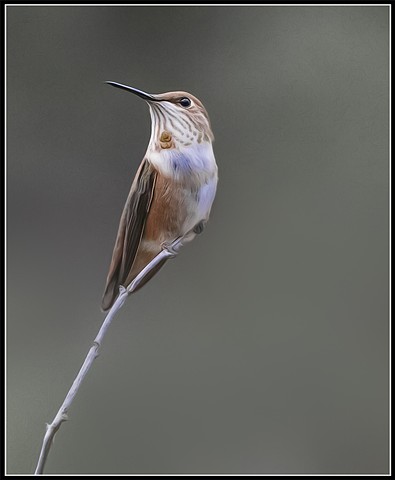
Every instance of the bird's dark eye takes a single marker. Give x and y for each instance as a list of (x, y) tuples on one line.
[(185, 102)]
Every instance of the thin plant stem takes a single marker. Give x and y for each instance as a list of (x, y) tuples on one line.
[(168, 251)]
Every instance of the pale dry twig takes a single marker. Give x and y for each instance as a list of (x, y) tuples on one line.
[(168, 251)]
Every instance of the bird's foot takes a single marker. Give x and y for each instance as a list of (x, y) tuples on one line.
[(172, 248), (199, 227)]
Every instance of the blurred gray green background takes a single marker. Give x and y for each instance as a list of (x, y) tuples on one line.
[(263, 348)]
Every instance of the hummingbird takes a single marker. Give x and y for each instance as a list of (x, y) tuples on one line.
[(172, 192)]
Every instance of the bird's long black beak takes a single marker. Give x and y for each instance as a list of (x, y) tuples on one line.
[(136, 91)]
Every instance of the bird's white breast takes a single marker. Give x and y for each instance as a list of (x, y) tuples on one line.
[(193, 163), (195, 170)]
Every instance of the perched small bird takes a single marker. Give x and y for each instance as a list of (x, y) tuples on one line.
[(173, 190)]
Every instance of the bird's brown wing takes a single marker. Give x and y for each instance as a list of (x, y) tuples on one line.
[(131, 228)]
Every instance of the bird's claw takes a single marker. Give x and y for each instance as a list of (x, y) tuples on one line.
[(199, 227), (171, 248)]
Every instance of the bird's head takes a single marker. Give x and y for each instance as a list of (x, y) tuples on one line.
[(179, 119)]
